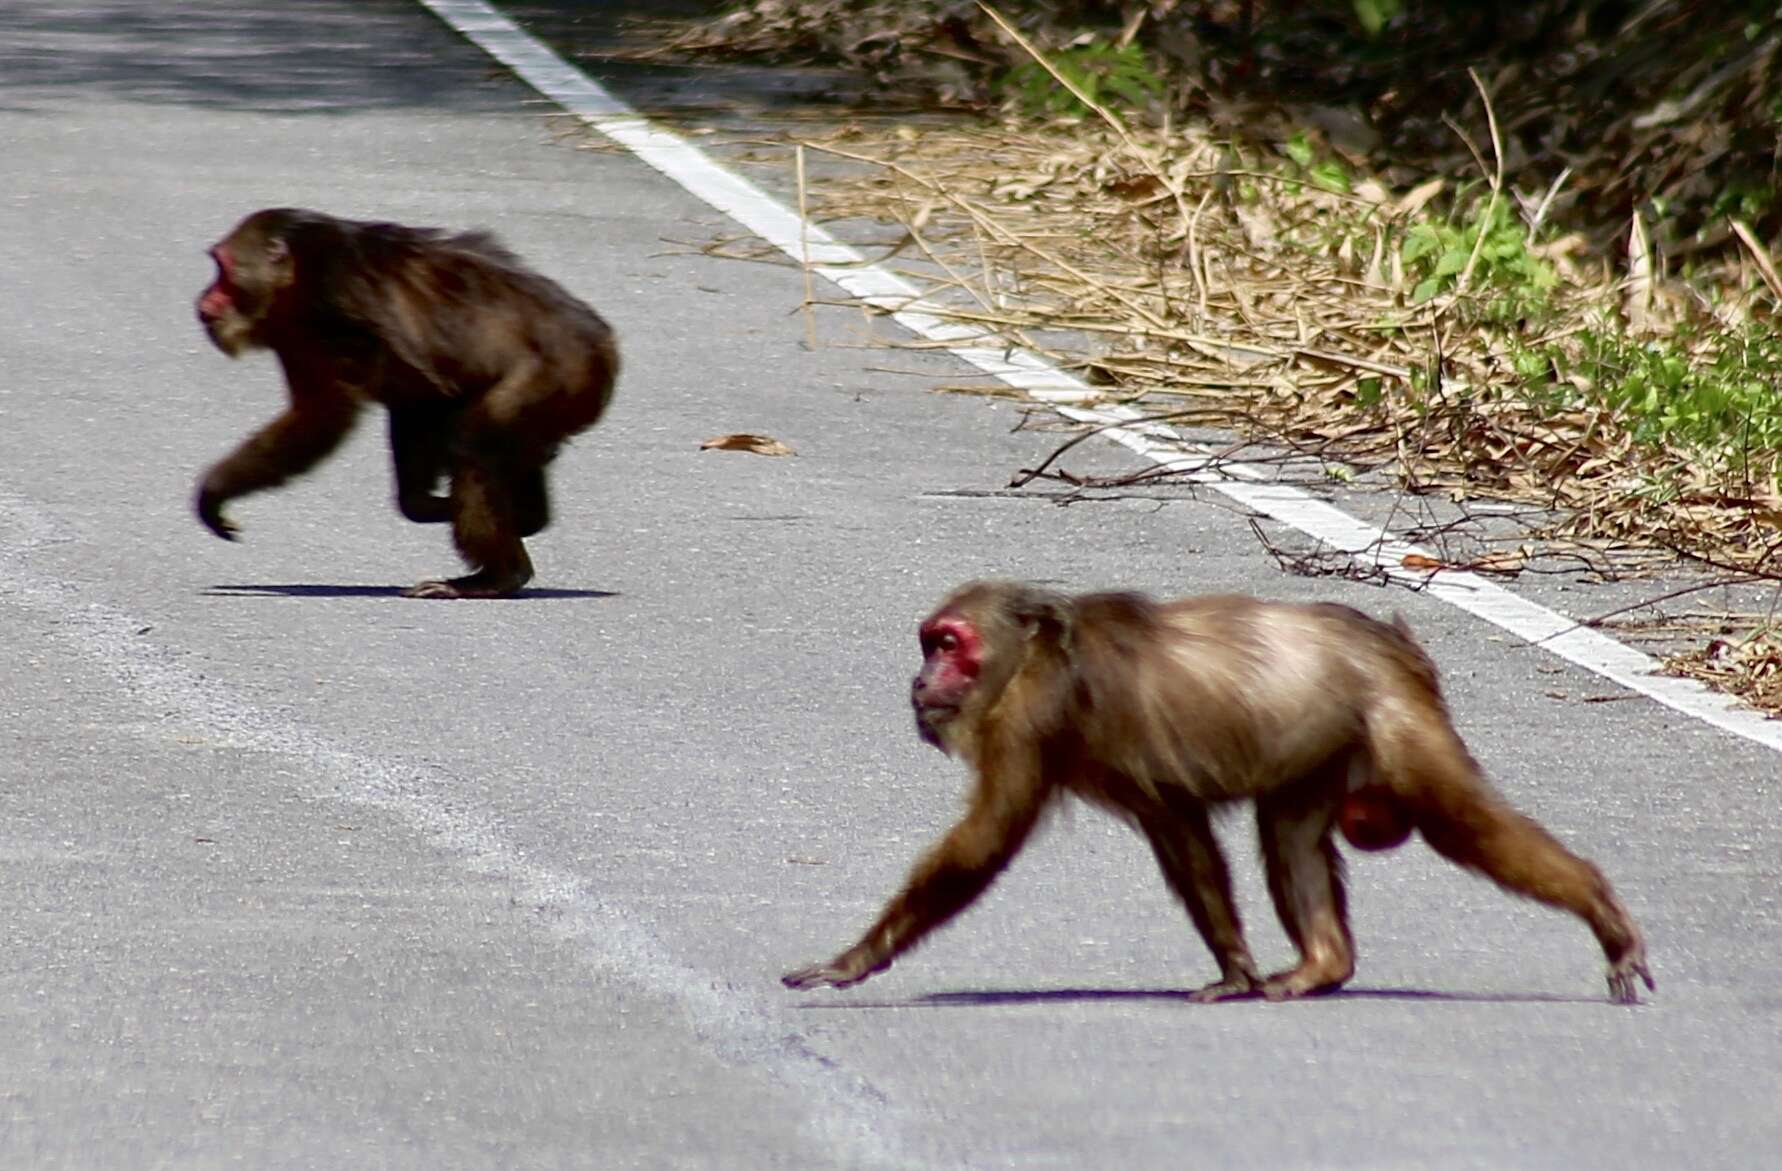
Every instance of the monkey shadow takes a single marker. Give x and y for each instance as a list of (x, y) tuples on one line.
[(1016, 996), (317, 590)]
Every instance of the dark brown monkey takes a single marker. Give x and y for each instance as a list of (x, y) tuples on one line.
[(486, 367), (1161, 712)]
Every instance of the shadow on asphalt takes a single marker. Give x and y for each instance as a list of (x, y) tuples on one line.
[(349, 56), (992, 998), (275, 58), (316, 590)]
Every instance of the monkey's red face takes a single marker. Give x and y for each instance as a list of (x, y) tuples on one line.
[(952, 659), (219, 310), (219, 298), (250, 273)]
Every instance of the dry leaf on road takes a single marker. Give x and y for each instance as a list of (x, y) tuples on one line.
[(745, 441)]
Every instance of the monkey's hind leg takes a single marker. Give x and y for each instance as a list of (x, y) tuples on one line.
[(1469, 823), (420, 441), (1305, 880), (484, 531), (532, 501)]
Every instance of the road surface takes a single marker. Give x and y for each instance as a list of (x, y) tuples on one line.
[(299, 873)]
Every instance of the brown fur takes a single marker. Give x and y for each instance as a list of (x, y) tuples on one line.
[(485, 366), (1160, 712)]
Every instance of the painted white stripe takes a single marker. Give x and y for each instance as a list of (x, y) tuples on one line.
[(844, 1112), (753, 208)]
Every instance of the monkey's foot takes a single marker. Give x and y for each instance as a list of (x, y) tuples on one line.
[(1303, 981), (1237, 980), (481, 584), (1622, 989), (1230, 988)]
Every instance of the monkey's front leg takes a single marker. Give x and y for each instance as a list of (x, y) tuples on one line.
[(956, 871), (289, 445)]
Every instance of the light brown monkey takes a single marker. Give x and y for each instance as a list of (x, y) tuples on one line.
[(1162, 711)]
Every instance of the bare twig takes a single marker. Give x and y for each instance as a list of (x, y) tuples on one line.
[(1497, 184), (1759, 255), (804, 246)]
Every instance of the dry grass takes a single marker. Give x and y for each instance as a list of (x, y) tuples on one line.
[(1170, 273), (1750, 668)]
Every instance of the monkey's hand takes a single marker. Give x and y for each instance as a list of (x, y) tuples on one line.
[(845, 970), (210, 511), (1622, 989)]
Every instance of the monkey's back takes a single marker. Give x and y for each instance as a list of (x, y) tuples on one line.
[(1225, 694), (463, 313), (484, 309)]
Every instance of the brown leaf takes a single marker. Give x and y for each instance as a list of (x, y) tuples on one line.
[(745, 441), (1137, 187), (1419, 561), (1507, 561)]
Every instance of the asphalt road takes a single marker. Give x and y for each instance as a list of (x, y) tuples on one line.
[(298, 873)]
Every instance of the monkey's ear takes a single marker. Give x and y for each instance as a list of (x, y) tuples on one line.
[(281, 261), (1046, 614)]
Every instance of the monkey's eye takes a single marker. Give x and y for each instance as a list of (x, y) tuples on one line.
[(947, 642)]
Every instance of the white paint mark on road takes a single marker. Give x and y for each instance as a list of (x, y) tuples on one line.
[(753, 208), (845, 1113)]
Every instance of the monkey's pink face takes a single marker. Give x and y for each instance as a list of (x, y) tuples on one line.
[(952, 659), (219, 310), (252, 272)]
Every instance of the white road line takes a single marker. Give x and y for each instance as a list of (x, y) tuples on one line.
[(753, 208), (844, 1111)]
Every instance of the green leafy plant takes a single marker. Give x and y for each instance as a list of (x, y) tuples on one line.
[(1373, 14), (1329, 174), (1720, 399), (1436, 252), (1109, 75)]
